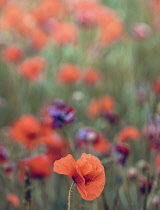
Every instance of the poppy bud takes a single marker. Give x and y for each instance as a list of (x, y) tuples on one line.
[(142, 165), (78, 96), (132, 173), (141, 31), (143, 185), (156, 200)]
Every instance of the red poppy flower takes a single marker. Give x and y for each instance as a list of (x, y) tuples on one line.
[(92, 76), (3, 2), (93, 109), (85, 11), (128, 133), (26, 130), (106, 104), (102, 106), (12, 53), (90, 140), (39, 167), (39, 38), (56, 145), (17, 18), (13, 199), (69, 73), (87, 172), (157, 162), (64, 33), (156, 85), (155, 6), (31, 68), (110, 30), (47, 9)]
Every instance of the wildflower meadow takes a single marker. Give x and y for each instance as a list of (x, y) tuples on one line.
[(79, 104)]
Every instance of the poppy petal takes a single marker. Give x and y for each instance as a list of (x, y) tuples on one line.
[(66, 165), (93, 173)]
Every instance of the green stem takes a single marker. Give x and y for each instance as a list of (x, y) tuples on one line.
[(146, 192), (27, 190), (69, 196)]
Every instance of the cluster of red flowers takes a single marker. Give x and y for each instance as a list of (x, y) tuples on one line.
[(29, 34), (71, 74)]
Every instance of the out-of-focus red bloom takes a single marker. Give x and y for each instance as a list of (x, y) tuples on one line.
[(90, 140), (39, 38), (56, 145), (13, 53), (87, 172), (155, 5), (2, 2), (13, 199), (110, 30), (49, 25), (157, 162), (93, 109), (64, 33), (39, 167), (85, 10), (47, 9), (156, 85), (107, 104), (102, 106), (128, 133), (141, 31), (31, 68), (69, 73), (4, 156), (156, 22), (17, 18), (92, 76), (26, 130)]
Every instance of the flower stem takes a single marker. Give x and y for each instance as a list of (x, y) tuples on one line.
[(146, 191), (69, 196), (27, 190)]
